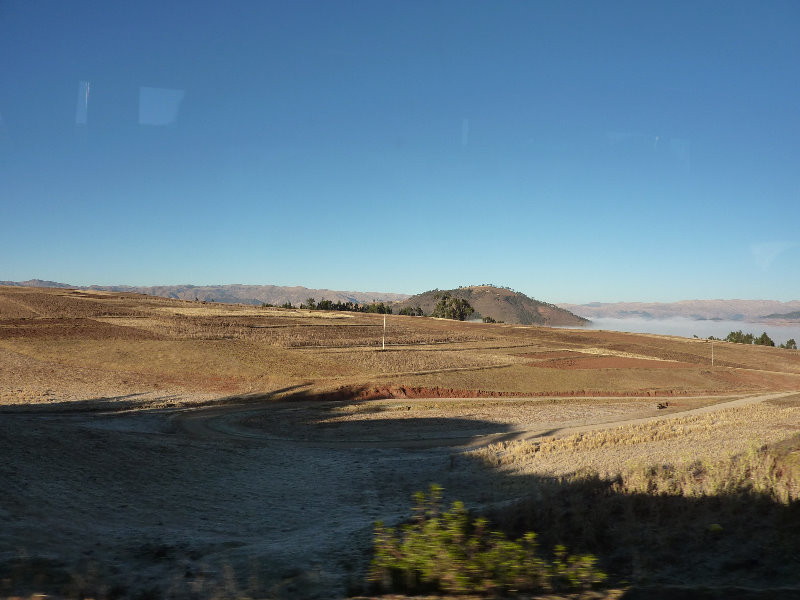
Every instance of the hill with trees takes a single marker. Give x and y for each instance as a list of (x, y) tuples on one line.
[(489, 303)]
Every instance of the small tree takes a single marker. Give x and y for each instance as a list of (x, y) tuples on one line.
[(764, 340), (377, 307), (740, 338)]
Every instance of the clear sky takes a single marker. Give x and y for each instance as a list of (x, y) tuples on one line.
[(574, 151)]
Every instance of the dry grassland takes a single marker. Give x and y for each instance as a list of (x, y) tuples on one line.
[(145, 345), (715, 437), (288, 432)]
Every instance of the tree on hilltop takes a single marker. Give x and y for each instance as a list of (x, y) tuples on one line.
[(448, 307), (738, 337)]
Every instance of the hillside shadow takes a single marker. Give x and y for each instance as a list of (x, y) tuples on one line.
[(652, 540), (144, 401), (415, 433), (737, 543), (97, 404)]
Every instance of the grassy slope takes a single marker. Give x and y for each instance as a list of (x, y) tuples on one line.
[(136, 344)]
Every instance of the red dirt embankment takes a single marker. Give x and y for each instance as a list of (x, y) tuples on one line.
[(398, 392)]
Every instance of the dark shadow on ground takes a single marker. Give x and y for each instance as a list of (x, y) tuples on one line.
[(144, 401), (734, 540), (737, 543)]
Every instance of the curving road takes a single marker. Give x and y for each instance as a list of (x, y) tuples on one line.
[(301, 423)]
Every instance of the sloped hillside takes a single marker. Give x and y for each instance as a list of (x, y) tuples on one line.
[(231, 293), (500, 304)]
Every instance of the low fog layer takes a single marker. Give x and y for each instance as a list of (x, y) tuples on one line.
[(701, 328)]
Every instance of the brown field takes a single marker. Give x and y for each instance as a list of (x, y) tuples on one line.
[(150, 446)]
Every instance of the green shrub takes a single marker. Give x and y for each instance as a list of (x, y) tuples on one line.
[(748, 338), (444, 551)]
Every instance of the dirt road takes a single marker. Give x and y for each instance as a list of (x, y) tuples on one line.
[(166, 499), (289, 423)]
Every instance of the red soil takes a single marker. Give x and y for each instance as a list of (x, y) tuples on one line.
[(397, 392)]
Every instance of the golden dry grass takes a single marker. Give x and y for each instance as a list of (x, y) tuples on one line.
[(138, 344), (678, 441)]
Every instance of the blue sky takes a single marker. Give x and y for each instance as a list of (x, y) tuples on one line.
[(575, 151)]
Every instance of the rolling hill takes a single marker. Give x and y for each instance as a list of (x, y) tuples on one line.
[(233, 293), (500, 304)]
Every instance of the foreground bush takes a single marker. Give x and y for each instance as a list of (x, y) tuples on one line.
[(443, 551)]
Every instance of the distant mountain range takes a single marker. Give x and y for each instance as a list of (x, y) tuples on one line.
[(234, 293), (728, 310), (501, 304), (39, 283)]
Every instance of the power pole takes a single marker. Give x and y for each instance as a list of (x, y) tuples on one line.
[(712, 353), (384, 335)]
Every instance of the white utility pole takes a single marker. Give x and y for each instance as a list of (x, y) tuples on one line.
[(712, 353), (384, 334)]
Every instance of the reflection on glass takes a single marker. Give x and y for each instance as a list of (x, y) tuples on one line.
[(159, 106), (82, 105)]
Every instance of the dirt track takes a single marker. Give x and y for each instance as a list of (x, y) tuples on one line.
[(149, 497), (284, 422)]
